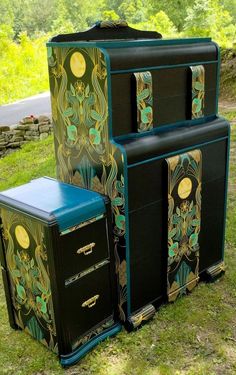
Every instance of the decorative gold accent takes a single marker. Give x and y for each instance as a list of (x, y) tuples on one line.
[(112, 24), (175, 290), (215, 270), (22, 237), (86, 272), (86, 250), (77, 64), (185, 188), (144, 314), (91, 301)]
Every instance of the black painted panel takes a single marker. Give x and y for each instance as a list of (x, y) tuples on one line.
[(135, 57), (171, 97), (143, 148), (212, 223), (147, 255), (74, 263), (80, 319), (146, 181)]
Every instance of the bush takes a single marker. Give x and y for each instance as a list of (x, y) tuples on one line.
[(23, 66)]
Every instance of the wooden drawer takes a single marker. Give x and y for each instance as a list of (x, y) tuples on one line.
[(84, 247), (88, 302)]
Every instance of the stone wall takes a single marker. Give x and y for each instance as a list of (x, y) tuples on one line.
[(30, 128)]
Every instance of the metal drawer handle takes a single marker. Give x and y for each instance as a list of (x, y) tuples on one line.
[(86, 250), (91, 301)]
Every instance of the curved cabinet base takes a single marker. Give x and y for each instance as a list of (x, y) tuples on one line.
[(139, 318), (213, 273), (76, 355)]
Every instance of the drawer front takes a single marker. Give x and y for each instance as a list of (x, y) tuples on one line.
[(88, 302), (84, 247)]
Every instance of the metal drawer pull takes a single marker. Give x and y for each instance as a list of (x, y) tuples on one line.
[(86, 250), (91, 301)]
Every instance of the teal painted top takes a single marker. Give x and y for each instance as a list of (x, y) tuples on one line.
[(128, 43), (51, 200)]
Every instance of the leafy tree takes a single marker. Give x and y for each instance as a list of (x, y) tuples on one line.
[(161, 23), (6, 12), (175, 10), (110, 15), (209, 18), (133, 11), (33, 16)]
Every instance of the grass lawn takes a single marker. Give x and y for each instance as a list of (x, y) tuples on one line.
[(195, 335)]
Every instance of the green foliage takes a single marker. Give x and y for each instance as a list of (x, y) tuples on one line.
[(175, 10), (36, 159), (161, 23), (23, 66), (209, 18), (26, 25), (33, 16)]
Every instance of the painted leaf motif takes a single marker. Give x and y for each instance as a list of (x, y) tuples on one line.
[(146, 115), (72, 89), (118, 201), (198, 86), (193, 240), (143, 95), (68, 112), (41, 304), (94, 136), (182, 274), (21, 291), (87, 90), (195, 222), (120, 221), (35, 329), (95, 115), (173, 249), (72, 132), (197, 104), (16, 273), (172, 233)]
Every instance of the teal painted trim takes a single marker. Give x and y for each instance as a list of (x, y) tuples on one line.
[(72, 44), (70, 359), (164, 128), (177, 152), (129, 43), (160, 67), (122, 149), (218, 76), (226, 189)]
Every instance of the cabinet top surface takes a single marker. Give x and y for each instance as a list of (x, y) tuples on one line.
[(52, 200)]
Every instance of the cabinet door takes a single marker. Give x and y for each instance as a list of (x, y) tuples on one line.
[(88, 302), (184, 222)]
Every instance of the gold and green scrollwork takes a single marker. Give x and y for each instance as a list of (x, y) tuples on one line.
[(198, 91), (144, 101), (85, 155), (184, 221), (26, 258)]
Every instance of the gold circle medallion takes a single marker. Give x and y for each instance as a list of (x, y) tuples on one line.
[(22, 236), (77, 64), (185, 188)]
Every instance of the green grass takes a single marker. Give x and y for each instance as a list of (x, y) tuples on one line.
[(194, 336)]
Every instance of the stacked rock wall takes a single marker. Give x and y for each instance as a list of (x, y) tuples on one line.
[(30, 128)]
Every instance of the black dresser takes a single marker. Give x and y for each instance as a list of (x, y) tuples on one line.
[(135, 118)]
